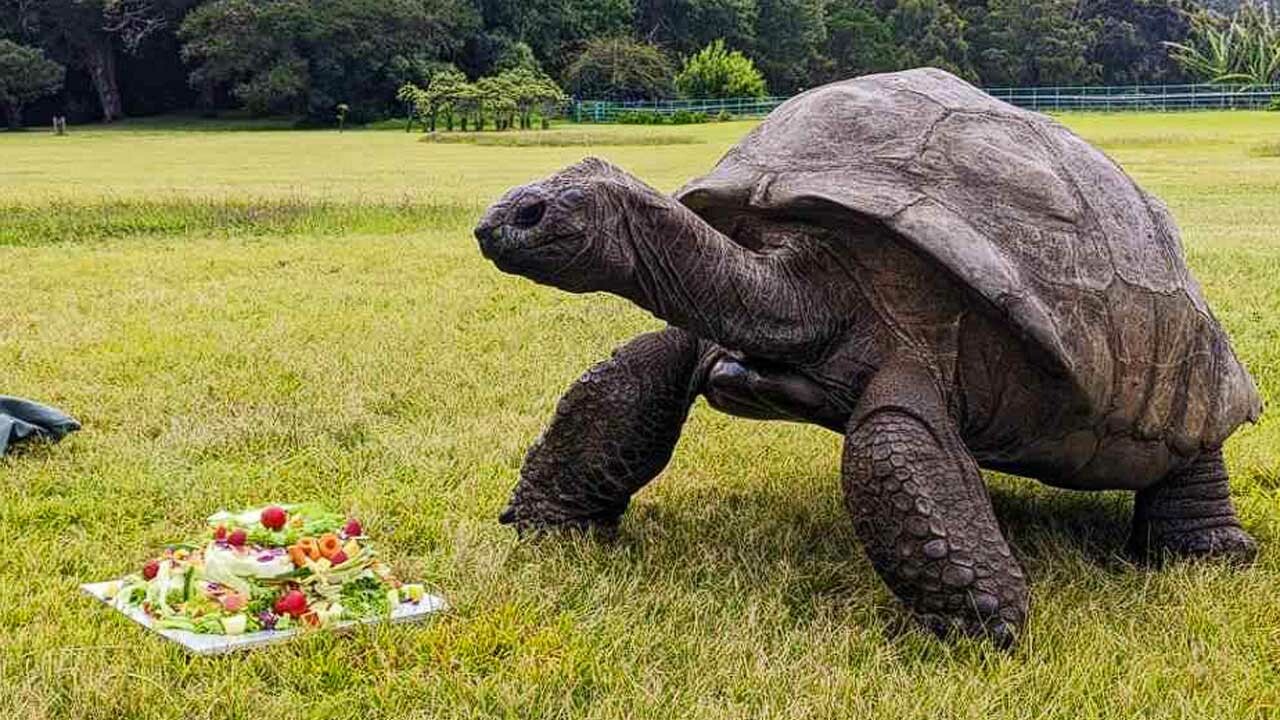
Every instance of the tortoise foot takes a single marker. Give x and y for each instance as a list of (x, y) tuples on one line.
[(1226, 542), (536, 519), (1190, 515)]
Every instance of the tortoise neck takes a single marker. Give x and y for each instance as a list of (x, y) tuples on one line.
[(689, 274)]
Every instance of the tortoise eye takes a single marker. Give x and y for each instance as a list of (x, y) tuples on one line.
[(531, 214)]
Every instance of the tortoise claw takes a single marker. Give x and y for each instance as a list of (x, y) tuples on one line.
[(1001, 633), (508, 516)]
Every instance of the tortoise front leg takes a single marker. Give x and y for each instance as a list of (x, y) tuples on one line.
[(613, 432), (922, 511)]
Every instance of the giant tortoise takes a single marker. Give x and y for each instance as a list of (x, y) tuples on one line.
[(947, 280)]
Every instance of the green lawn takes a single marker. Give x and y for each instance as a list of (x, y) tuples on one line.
[(239, 317)]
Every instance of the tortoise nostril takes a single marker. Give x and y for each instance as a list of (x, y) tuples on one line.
[(530, 214)]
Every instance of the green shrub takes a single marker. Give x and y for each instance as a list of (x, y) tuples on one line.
[(653, 117), (717, 72), (724, 116), (1244, 48), (640, 117), (685, 117), (1275, 103)]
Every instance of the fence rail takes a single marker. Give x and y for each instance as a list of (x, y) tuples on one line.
[(1042, 99)]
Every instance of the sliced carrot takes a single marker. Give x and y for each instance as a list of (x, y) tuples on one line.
[(329, 545), (310, 547)]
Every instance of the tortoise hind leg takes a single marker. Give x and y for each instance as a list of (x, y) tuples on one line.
[(922, 511), (613, 432), (1189, 514)]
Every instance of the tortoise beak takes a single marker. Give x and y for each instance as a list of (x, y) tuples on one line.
[(489, 232)]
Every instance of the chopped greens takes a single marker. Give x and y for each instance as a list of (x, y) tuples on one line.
[(269, 568)]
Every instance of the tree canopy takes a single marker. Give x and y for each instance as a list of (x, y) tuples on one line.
[(307, 56), (620, 69), (25, 75)]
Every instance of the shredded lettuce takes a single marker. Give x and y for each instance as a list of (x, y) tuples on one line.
[(365, 597)]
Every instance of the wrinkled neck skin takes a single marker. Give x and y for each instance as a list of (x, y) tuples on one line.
[(672, 263)]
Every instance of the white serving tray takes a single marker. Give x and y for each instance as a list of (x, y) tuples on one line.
[(216, 644)]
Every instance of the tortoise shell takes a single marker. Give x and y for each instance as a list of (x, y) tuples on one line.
[(1083, 265)]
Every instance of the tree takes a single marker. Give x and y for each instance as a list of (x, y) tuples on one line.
[(486, 53), (305, 57), (1035, 42), (448, 89), (89, 33), (419, 108), (531, 90), (789, 37), (858, 42), (929, 32), (25, 75), (444, 87), (684, 26), (555, 29), (620, 69), (498, 95), (1127, 43), (716, 72)]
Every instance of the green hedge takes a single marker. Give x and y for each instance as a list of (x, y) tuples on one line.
[(679, 117)]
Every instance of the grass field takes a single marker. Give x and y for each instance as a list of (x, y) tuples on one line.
[(239, 317)]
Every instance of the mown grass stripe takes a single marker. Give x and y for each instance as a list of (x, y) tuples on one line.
[(60, 222)]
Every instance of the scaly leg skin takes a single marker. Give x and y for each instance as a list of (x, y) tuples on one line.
[(922, 511), (613, 431), (1190, 514)]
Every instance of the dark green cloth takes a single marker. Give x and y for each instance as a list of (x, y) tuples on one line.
[(23, 419)]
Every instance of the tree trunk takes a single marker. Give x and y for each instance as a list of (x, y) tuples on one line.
[(13, 111), (100, 58), (207, 101)]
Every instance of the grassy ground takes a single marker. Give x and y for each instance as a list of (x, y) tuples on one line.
[(240, 317)]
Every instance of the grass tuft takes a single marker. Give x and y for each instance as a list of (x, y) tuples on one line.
[(1266, 150)]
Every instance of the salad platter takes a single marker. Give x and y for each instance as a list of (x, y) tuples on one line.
[(262, 576)]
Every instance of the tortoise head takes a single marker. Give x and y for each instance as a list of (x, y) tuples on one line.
[(593, 227), (567, 230)]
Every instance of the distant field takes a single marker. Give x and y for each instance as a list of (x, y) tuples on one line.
[(246, 316)]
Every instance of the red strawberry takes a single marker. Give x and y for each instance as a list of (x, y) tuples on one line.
[(273, 518), (237, 537), (220, 532), (150, 569), (291, 603), (338, 558), (353, 528)]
